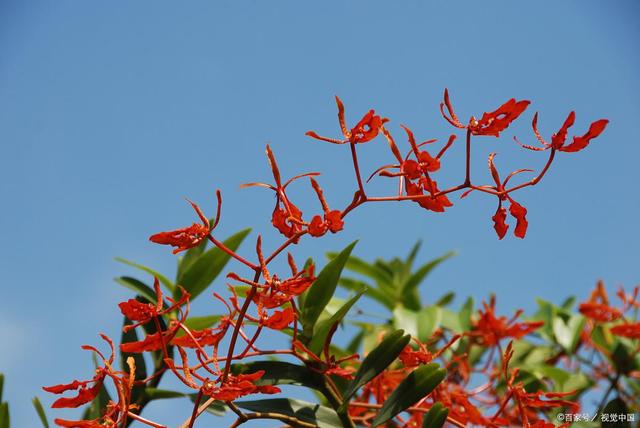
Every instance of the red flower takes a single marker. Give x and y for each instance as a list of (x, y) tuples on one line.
[(490, 123), (516, 210), (411, 358), (597, 307), (599, 312), (280, 319), (491, 329), (629, 330), (499, 222), (286, 217), (237, 386), (365, 130), (332, 218), (559, 138), (187, 237), (145, 312), (88, 389)]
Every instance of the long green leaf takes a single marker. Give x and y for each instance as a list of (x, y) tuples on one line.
[(322, 417), (5, 419), (421, 273), (413, 388), (322, 289), (163, 279), (40, 410), (1, 385), (205, 269), (138, 286), (282, 373), (375, 293), (190, 256), (163, 394), (323, 327), (377, 360), (436, 416), (358, 265)]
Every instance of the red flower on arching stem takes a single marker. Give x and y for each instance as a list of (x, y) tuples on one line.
[(490, 329), (411, 169), (237, 386), (142, 313), (332, 220), (628, 330), (528, 404), (187, 237), (365, 130), (559, 139), (86, 390), (490, 123), (286, 217), (516, 210), (280, 319), (597, 307), (275, 292)]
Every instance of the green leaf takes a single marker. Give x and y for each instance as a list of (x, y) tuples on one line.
[(5, 419), (190, 256), (436, 416), (465, 314), (204, 270), (40, 410), (616, 407), (282, 373), (1, 385), (199, 323), (138, 286), (429, 320), (406, 319), (377, 360), (322, 417), (412, 389), (446, 299), (369, 270), (417, 278), (568, 334), (162, 394), (375, 293), (324, 327), (322, 289), (163, 279)]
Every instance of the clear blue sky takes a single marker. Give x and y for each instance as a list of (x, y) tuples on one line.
[(111, 113)]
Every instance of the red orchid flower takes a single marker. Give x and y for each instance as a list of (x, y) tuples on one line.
[(187, 237), (559, 138), (275, 292), (490, 123), (332, 220), (365, 130), (237, 386), (491, 329), (286, 217), (280, 319), (628, 330), (411, 169), (142, 312), (88, 389), (516, 210), (597, 307)]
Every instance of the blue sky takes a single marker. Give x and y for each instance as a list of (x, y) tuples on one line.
[(111, 113)]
